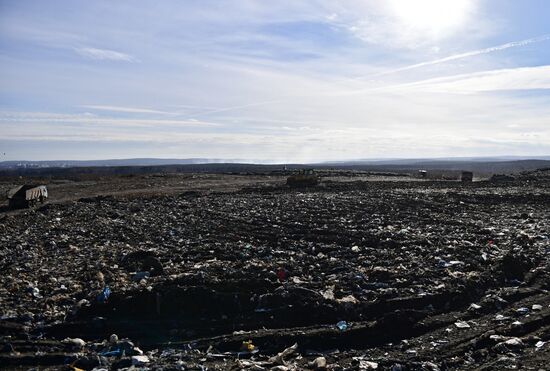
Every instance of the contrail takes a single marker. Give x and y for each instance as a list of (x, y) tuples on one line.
[(472, 53)]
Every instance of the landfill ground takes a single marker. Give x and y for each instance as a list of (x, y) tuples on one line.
[(227, 272)]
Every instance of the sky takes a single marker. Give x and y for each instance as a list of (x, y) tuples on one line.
[(274, 81)]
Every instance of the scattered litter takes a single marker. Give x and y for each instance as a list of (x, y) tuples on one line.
[(247, 346), (75, 342), (348, 299), (342, 325), (319, 363), (280, 357), (103, 296), (202, 275), (522, 311), (140, 360), (474, 307), (367, 365), (462, 324)]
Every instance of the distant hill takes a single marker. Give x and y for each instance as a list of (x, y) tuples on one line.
[(479, 167), (430, 162), (442, 160), (110, 162)]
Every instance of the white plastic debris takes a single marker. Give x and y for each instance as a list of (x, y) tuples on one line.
[(522, 311), (329, 293), (348, 299), (367, 365), (280, 357), (319, 363), (497, 337), (514, 342), (76, 342), (474, 307), (140, 360), (462, 324)]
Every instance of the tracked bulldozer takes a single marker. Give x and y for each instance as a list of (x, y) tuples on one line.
[(305, 178)]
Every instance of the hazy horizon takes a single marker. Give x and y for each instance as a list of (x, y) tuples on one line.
[(288, 81), (200, 160)]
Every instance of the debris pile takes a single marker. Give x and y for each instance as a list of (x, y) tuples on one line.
[(377, 275)]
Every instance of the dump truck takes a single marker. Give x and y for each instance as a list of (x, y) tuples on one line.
[(26, 196)]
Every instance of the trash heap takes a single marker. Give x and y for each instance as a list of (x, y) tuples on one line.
[(355, 275)]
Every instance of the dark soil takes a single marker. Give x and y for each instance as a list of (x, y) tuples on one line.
[(418, 274)]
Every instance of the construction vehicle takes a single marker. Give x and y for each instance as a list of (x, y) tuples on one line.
[(26, 196), (467, 176), (305, 178)]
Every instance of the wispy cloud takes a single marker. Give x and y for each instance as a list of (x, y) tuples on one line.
[(126, 109), (225, 109), (270, 79), (16, 119), (523, 78), (104, 54)]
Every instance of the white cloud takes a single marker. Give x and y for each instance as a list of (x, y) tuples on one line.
[(104, 54)]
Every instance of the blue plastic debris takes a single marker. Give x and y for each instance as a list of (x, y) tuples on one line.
[(111, 353), (522, 311), (104, 295), (342, 325)]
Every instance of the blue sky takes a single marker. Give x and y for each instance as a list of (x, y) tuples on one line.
[(276, 81)]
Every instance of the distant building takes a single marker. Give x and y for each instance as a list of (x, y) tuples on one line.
[(422, 173), (27, 195)]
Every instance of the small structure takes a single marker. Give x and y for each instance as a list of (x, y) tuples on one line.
[(305, 178), (422, 173), (467, 176), (27, 195)]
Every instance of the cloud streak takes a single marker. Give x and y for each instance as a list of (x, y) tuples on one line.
[(16, 119), (469, 54), (466, 87), (126, 109), (523, 78), (104, 54)]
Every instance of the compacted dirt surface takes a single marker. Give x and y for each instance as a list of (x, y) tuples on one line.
[(354, 275)]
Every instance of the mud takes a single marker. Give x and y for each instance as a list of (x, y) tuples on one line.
[(418, 274)]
